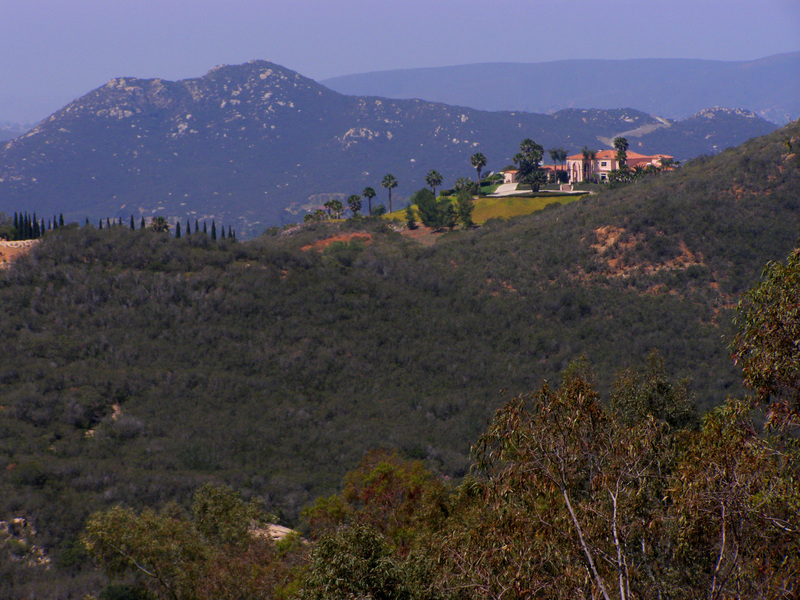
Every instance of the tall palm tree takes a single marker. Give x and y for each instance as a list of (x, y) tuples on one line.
[(478, 161), (621, 146), (557, 155), (433, 179), (588, 161), (369, 194), (389, 182), (354, 202)]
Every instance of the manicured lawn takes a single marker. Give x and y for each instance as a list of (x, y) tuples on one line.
[(505, 207), (515, 206)]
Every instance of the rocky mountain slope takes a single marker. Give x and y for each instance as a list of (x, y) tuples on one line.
[(256, 145), (673, 88)]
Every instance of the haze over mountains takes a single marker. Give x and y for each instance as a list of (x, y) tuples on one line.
[(256, 145), (671, 88)]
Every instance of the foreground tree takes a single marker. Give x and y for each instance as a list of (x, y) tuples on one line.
[(768, 344), (736, 500), (389, 182), (213, 554)]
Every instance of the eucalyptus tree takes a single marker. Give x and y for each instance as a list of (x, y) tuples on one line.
[(389, 182), (433, 179), (369, 194), (478, 161)]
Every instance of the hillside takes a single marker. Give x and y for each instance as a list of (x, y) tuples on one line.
[(671, 88), (256, 145), (136, 366)]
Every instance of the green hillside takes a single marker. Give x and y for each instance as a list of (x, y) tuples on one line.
[(134, 366)]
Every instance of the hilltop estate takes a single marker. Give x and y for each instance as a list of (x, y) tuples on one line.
[(599, 164)]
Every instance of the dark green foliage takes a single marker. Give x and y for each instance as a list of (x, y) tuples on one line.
[(136, 367), (411, 217), (354, 562), (464, 208), (528, 161), (768, 343)]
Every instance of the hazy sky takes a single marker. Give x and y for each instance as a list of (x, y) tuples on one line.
[(52, 51)]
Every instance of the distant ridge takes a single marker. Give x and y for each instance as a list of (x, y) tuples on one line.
[(257, 145), (672, 88)]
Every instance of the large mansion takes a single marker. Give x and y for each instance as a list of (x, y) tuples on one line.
[(581, 168)]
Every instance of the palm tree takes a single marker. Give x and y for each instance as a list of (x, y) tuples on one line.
[(389, 182), (433, 179), (354, 202), (478, 161), (588, 161), (621, 146), (557, 155), (160, 224), (369, 194)]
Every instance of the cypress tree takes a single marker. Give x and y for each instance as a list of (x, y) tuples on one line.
[(15, 235), (133, 225), (100, 224), (55, 222), (196, 227), (61, 220), (230, 235), (188, 226), (222, 232), (34, 227), (205, 229), (213, 230), (87, 221), (141, 225), (108, 222), (178, 230)]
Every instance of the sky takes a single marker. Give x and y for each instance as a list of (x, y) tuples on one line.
[(53, 51)]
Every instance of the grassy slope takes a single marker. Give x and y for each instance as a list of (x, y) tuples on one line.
[(506, 207)]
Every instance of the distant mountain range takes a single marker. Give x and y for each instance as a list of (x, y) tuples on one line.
[(671, 88), (8, 131), (256, 145)]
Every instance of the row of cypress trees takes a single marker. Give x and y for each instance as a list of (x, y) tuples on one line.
[(161, 224), (30, 227)]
